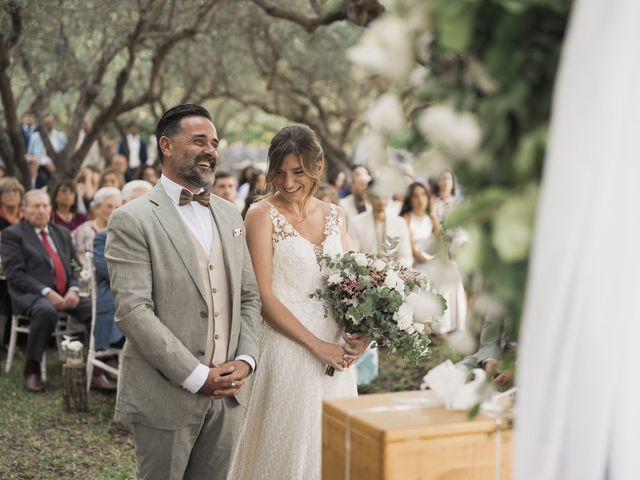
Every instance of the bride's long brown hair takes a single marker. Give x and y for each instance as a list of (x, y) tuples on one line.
[(301, 141)]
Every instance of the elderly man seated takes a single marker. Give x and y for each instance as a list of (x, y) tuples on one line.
[(37, 258)]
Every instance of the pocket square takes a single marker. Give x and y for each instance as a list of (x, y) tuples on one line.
[(238, 232)]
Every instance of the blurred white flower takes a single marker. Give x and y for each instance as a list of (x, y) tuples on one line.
[(71, 345), (462, 342), (418, 327), (384, 49), (425, 306), (418, 76), (486, 304), (513, 225), (390, 180), (361, 259), (334, 278), (457, 133), (404, 317), (386, 115), (370, 149), (469, 255)]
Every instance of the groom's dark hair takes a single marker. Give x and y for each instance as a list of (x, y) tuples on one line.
[(169, 124)]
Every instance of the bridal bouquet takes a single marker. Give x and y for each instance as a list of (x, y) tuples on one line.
[(389, 303)]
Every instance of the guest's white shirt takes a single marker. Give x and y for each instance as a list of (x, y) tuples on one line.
[(133, 142), (199, 221)]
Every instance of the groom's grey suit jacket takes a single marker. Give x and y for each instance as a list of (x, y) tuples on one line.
[(160, 302)]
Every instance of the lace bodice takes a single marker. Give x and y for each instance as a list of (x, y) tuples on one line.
[(296, 268)]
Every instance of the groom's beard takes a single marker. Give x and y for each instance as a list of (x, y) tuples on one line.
[(199, 175)]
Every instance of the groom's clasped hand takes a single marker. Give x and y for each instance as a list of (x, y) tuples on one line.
[(225, 379)]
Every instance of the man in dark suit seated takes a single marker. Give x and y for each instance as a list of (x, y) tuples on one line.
[(37, 258)]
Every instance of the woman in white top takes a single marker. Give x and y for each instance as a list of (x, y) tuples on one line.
[(420, 213), (422, 221)]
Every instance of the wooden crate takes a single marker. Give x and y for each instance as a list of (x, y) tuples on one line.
[(392, 437)]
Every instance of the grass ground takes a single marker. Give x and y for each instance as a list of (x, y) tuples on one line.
[(39, 440)]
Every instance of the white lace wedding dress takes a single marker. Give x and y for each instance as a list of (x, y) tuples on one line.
[(281, 436)]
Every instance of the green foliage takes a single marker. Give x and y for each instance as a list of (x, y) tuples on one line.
[(496, 59)]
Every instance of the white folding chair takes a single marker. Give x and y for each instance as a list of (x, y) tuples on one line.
[(94, 357), (65, 326)]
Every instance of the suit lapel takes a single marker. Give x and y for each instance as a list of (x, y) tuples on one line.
[(31, 236), (170, 220)]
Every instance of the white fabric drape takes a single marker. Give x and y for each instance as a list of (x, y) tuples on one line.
[(579, 362)]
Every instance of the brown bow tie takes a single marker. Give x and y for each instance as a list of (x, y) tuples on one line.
[(187, 197)]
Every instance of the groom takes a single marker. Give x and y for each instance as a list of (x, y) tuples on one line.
[(187, 301)]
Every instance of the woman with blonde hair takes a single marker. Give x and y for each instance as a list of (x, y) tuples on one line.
[(11, 194)]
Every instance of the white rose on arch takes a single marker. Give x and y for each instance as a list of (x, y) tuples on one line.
[(458, 133)]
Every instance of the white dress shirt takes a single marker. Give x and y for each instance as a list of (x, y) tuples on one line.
[(133, 143), (199, 220)]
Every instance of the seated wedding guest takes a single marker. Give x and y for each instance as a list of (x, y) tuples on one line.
[(105, 201), (244, 182), (65, 206), (338, 180), (11, 193), (86, 182), (111, 178), (119, 164), (135, 148), (328, 193), (369, 229), (148, 173), (417, 211), (37, 147), (442, 271), (494, 342), (225, 186), (356, 202), (39, 178), (256, 189), (106, 332), (135, 189), (37, 256)]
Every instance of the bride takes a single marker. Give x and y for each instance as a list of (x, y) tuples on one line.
[(287, 234)]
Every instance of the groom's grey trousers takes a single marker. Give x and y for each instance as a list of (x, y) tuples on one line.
[(199, 451)]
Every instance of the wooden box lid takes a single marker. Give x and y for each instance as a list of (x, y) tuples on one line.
[(403, 415)]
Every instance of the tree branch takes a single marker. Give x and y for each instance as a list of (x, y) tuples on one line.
[(358, 12)]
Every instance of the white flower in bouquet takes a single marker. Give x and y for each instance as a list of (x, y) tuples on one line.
[(361, 259), (457, 133), (386, 115), (378, 265), (404, 317), (334, 278), (393, 281)]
